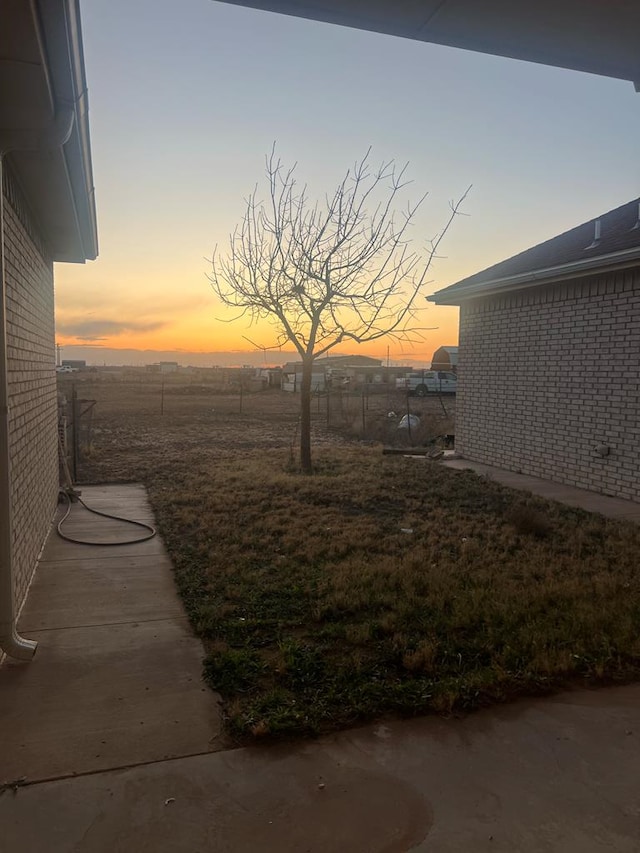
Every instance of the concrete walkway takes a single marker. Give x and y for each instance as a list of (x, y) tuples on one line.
[(116, 679), (556, 775), (590, 501)]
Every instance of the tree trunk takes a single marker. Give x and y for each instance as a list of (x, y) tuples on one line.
[(305, 416)]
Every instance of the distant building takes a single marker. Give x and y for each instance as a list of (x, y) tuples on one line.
[(292, 377), (342, 371), (333, 370), (76, 363), (349, 360), (162, 367), (445, 358), (270, 377)]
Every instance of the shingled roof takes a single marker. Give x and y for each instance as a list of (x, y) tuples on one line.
[(610, 239)]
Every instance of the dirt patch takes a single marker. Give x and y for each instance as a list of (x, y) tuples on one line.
[(138, 425)]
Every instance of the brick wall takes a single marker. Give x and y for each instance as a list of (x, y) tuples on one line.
[(548, 375), (32, 385)]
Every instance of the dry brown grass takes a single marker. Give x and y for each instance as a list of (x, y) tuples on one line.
[(319, 610), (330, 613)]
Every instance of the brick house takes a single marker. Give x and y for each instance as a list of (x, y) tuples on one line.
[(567, 406), (47, 214)]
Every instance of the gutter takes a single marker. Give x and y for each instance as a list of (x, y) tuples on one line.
[(455, 294), (57, 27), (79, 167)]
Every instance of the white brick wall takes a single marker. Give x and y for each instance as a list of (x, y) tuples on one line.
[(547, 375), (32, 386)]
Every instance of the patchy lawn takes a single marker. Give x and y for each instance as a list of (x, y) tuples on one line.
[(386, 585)]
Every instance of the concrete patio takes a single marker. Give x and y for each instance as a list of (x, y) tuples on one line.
[(555, 775), (114, 744)]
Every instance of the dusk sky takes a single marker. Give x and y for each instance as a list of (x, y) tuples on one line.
[(187, 97)]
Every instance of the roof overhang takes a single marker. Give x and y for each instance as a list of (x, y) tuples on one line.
[(44, 123), (456, 294), (585, 35)]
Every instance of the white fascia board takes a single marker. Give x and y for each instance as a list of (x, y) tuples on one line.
[(603, 263)]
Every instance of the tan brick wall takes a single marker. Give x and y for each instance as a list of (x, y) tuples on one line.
[(32, 386), (549, 374)]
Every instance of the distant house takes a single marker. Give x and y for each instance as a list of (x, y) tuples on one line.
[(47, 215), (349, 361), (445, 358), (334, 370), (269, 377), (292, 378), (75, 363), (567, 405), (163, 367)]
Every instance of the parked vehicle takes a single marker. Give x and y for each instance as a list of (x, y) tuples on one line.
[(65, 368), (428, 382)]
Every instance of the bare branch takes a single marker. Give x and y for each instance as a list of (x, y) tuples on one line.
[(325, 273)]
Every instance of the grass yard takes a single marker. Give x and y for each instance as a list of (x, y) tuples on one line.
[(390, 586), (382, 585)]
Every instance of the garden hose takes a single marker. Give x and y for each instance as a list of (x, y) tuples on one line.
[(70, 494), (67, 494)]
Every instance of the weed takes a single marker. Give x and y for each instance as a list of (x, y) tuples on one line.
[(233, 671), (529, 521)]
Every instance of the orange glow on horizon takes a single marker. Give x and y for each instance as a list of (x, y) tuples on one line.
[(171, 308), (202, 333)]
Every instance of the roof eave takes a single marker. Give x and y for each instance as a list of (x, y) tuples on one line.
[(585, 35), (455, 294), (45, 125), (68, 74)]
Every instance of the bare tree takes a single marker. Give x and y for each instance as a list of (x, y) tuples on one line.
[(326, 273)]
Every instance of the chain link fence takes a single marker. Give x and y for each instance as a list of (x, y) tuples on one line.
[(105, 412)]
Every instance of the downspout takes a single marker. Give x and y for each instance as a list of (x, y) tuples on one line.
[(10, 641)]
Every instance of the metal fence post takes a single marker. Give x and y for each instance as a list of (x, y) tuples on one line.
[(76, 432)]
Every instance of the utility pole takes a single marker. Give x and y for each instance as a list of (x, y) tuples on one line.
[(388, 381)]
